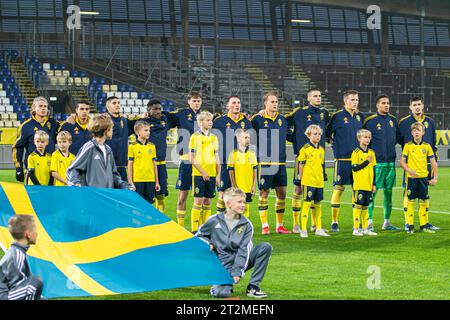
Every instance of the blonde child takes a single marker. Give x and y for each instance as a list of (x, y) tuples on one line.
[(39, 162), (61, 158)]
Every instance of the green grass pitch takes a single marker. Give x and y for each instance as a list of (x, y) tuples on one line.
[(410, 266)]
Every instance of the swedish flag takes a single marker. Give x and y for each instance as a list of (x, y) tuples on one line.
[(103, 241)]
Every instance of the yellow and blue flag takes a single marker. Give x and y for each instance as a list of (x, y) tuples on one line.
[(95, 242)]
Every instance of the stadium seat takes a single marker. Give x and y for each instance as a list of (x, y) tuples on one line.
[(138, 103), (2, 125), (13, 116), (110, 94), (126, 110), (113, 87), (9, 108), (58, 73), (130, 102), (16, 124), (4, 116), (123, 102), (105, 87), (126, 95), (7, 124), (133, 95), (46, 66), (145, 101), (135, 110), (78, 81), (85, 81), (118, 94), (66, 73), (2, 93), (142, 109)]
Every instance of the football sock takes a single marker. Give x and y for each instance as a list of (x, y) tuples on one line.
[(220, 205), (423, 212), (160, 203), (372, 204), (313, 215), (247, 210), (410, 212), (262, 208), (195, 216), (305, 212), (206, 212), (317, 216), (405, 208), (296, 208), (387, 203), (357, 209), (280, 207), (336, 204), (428, 209), (180, 217), (364, 218)]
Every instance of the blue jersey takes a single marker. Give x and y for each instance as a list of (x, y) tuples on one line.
[(158, 134), (25, 139), (405, 135), (301, 118), (186, 122), (384, 131), (224, 127), (342, 129), (271, 136), (119, 141), (80, 134)]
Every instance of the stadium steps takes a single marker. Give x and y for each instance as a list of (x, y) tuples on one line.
[(23, 80), (300, 75), (258, 75)]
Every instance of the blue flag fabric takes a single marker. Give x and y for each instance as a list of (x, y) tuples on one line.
[(95, 242)]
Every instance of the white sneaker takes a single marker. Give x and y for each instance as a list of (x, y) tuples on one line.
[(357, 233), (303, 234), (296, 229), (322, 233), (368, 232)]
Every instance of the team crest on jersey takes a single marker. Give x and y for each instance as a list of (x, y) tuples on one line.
[(378, 126), (150, 151), (189, 116), (240, 230), (36, 129), (309, 194), (228, 125), (197, 190), (424, 151), (426, 124), (121, 123), (321, 116), (358, 118), (345, 120), (163, 123), (308, 118), (49, 126), (76, 131), (280, 123), (242, 125), (391, 123), (266, 124)]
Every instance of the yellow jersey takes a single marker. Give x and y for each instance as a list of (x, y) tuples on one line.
[(59, 164), (142, 155), (364, 178), (40, 165), (417, 157), (243, 163), (313, 159), (205, 147)]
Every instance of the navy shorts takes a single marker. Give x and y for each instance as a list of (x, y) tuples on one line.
[(312, 194), (225, 181), (204, 189), (248, 197), (123, 173), (184, 181), (162, 177), (146, 190), (417, 188), (362, 197), (342, 173), (271, 177)]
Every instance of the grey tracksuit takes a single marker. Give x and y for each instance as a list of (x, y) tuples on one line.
[(235, 248), (90, 169), (16, 280)]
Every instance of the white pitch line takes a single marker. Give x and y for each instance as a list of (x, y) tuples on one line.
[(348, 203)]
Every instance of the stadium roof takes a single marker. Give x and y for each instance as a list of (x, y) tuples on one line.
[(433, 8)]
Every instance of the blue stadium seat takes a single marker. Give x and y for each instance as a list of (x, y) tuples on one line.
[(122, 88), (141, 95), (73, 73), (62, 66), (53, 66), (82, 74)]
